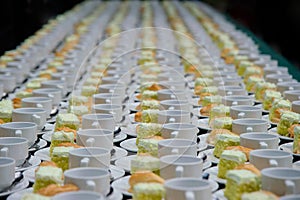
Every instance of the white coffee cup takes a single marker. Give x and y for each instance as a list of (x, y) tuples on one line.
[(291, 197), (180, 131), (78, 195), (95, 138), (259, 140), (113, 88), (235, 100), (177, 166), (173, 116), (7, 172), (98, 121), (177, 147), (296, 106), (281, 180), (89, 178), (107, 98), (38, 102), (58, 84), (114, 109), (264, 158), (14, 147), (241, 111), (89, 157), (292, 95), (174, 94), (26, 130), (231, 90), (54, 94), (176, 105), (8, 82), (245, 125), (187, 188), (35, 115)]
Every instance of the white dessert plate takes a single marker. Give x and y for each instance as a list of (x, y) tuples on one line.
[(194, 102), (119, 153), (32, 162), (130, 130), (132, 106), (19, 186), (125, 162), (288, 147), (43, 154), (261, 106), (213, 175), (210, 156), (203, 124), (132, 119), (41, 144), (129, 145), (219, 195), (119, 137), (266, 117), (274, 131), (196, 112)]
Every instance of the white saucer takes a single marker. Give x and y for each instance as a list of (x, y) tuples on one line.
[(47, 136), (261, 106), (132, 118), (47, 128), (33, 161), (194, 102), (122, 185), (43, 154), (274, 131), (266, 117), (202, 146), (203, 124), (125, 162), (119, 153), (18, 187), (196, 112), (288, 147), (203, 139), (41, 144), (116, 173), (219, 195), (130, 130), (120, 137), (132, 106), (210, 156), (116, 195), (129, 145), (213, 174)]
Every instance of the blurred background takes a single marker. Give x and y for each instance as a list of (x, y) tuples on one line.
[(275, 22)]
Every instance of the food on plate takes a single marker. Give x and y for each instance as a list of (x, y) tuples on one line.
[(77, 100), (250, 167), (47, 173), (212, 137), (278, 107), (208, 103), (287, 119), (200, 83), (229, 160), (146, 130), (261, 195), (243, 66), (153, 191), (223, 141), (149, 145), (147, 116), (33, 196), (62, 135), (221, 123), (145, 162), (54, 189), (6, 109), (245, 150), (207, 91), (269, 97), (219, 111), (240, 182), (148, 104), (78, 110), (67, 120), (251, 83), (89, 90), (148, 95), (150, 86), (144, 177), (253, 71), (261, 88), (296, 142)]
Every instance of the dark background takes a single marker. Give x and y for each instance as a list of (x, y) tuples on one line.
[(276, 22)]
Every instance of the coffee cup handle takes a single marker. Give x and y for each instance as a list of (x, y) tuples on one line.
[(189, 195), (172, 120), (173, 96), (234, 103), (171, 108), (111, 90), (18, 133), (249, 129), (263, 145), (36, 119), (50, 96), (290, 187), (107, 100), (299, 97), (175, 151), (90, 142), (4, 152), (241, 115), (179, 171), (39, 105), (84, 162), (273, 163), (291, 88), (90, 185), (229, 93), (60, 87), (174, 134), (95, 124), (112, 112)]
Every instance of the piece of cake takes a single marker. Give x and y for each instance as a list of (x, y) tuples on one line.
[(278, 107), (245, 150), (150, 86), (146, 130), (54, 189), (207, 91), (208, 103), (69, 120), (147, 116), (251, 83), (261, 195), (243, 66), (47, 173), (200, 83), (92, 82), (287, 119), (62, 135), (223, 141), (269, 97), (253, 71), (78, 110), (211, 138), (144, 162), (149, 145), (6, 109), (219, 111), (221, 123), (149, 95), (76, 100), (149, 104), (148, 77), (148, 191), (250, 167), (261, 87), (240, 182), (144, 177), (88, 91)]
